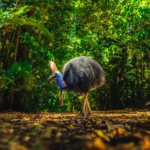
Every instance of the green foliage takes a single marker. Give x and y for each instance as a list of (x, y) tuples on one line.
[(114, 33), (20, 70), (12, 76), (16, 16)]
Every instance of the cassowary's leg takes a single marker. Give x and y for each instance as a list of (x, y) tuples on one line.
[(88, 108), (82, 112)]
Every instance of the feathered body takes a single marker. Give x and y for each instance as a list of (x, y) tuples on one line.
[(82, 74), (79, 75)]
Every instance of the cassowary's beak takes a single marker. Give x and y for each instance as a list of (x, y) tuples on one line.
[(54, 76)]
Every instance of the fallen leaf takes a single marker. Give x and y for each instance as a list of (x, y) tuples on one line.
[(27, 138), (11, 131), (21, 147), (99, 144), (25, 118), (102, 135), (58, 134), (118, 131), (146, 143)]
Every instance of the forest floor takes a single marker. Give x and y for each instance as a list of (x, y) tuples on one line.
[(107, 130)]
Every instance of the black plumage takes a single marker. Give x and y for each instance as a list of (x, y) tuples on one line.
[(82, 74)]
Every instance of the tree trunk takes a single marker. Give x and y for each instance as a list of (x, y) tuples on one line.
[(1, 100), (148, 63), (5, 62), (17, 43)]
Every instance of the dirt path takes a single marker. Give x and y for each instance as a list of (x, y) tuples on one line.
[(109, 130)]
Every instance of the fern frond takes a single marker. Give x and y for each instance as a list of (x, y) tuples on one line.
[(13, 17)]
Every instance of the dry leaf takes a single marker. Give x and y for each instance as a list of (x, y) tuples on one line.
[(102, 135), (27, 138), (99, 144), (146, 143), (21, 147), (118, 131)]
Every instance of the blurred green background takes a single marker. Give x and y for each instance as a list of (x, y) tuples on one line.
[(114, 33)]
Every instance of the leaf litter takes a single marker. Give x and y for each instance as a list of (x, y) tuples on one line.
[(104, 130)]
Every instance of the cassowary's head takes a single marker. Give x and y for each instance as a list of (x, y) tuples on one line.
[(56, 76)]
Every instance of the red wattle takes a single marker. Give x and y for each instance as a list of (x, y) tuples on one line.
[(61, 100)]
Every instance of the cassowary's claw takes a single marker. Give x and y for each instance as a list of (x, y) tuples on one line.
[(81, 114)]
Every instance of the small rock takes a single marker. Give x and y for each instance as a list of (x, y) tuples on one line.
[(37, 117), (15, 120), (13, 117), (131, 121)]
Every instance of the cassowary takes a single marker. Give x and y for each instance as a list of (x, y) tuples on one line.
[(79, 75)]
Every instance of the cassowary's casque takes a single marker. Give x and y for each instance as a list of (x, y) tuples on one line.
[(79, 75)]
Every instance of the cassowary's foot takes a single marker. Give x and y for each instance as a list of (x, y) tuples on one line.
[(89, 114), (81, 114)]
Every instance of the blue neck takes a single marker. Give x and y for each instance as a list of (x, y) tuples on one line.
[(59, 81)]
